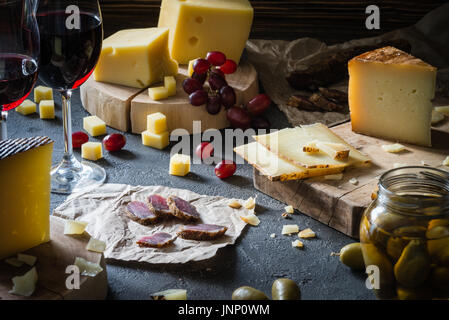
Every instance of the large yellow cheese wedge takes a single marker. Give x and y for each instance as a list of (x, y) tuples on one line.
[(200, 26), (25, 193), (390, 95), (136, 58)]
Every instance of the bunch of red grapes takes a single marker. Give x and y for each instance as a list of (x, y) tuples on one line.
[(214, 69)]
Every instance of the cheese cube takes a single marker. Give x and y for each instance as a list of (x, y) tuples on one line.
[(190, 68), (24, 215), (289, 209), (157, 122), (155, 140), (92, 151), (290, 228), (27, 107), (390, 95), (136, 58), (47, 109), (74, 227), (42, 93), (199, 26), (158, 93), (170, 85), (94, 126), (179, 165)]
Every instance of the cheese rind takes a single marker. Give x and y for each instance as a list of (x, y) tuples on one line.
[(42, 93), (390, 95), (94, 126), (92, 151), (47, 109), (179, 165), (156, 140)]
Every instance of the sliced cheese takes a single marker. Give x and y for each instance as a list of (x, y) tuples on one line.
[(393, 148), (26, 258), (290, 228), (170, 294), (337, 151), (87, 268), (443, 109), (390, 95), (74, 227), (25, 285), (96, 245)]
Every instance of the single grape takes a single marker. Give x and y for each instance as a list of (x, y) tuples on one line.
[(219, 72), (79, 138), (216, 58), (201, 66), (260, 122), (200, 77), (114, 142), (204, 150), (259, 104), (229, 66), (238, 118), (213, 105), (216, 82), (228, 97), (198, 98), (225, 169), (191, 85)]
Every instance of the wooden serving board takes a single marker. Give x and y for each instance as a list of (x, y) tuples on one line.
[(340, 204), (52, 259), (125, 108)]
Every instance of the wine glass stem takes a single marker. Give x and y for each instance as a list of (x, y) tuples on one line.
[(4, 131), (67, 125)]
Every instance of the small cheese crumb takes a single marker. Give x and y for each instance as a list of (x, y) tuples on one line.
[(290, 228), (289, 209), (14, 262), (250, 203), (353, 181), (87, 268), (423, 163), (74, 227), (251, 219), (96, 245), (26, 284), (398, 165), (28, 259), (297, 244), (285, 215), (393, 148), (307, 233), (235, 204), (337, 176), (437, 116), (446, 161), (170, 294), (273, 235)]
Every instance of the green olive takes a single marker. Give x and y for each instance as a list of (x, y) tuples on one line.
[(437, 232), (285, 289), (440, 278), (395, 246), (438, 222), (248, 293), (413, 267), (421, 293), (351, 255), (439, 250)]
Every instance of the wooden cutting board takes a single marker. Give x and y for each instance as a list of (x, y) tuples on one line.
[(125, 108), (53, 258), (340, 204)]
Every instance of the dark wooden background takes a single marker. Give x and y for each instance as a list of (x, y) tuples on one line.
[(330, 21)]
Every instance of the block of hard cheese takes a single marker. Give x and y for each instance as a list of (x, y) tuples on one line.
[(199, 26), (25, 193), (136, 58), (390, 95)]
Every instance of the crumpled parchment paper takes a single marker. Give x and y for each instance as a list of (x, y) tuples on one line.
[(103, 208), (273, 59)]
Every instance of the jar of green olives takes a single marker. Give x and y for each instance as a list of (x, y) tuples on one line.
[(404, 234)]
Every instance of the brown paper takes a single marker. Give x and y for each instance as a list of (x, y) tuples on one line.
[(103, 208)]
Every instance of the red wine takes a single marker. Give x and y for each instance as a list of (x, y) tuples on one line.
[(68, 56), (18, 73)]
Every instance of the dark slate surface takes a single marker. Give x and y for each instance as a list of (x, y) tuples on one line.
[(255, 260)]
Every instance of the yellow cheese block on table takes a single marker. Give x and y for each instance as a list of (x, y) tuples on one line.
[(136, 58), (200, 26), (25, 193), (390, 95), (42, 93), (94, 126), (26, 107), (158, 93), (155, 140), (47, 109), (157, 122), (92, 151), (179, 165)]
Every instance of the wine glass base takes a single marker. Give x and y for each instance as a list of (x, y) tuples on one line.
[(66, 180)]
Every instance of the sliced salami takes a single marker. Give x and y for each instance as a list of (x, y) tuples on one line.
[(157, 240), (182, 209), (158, 205), (202, 231), (139, 212)]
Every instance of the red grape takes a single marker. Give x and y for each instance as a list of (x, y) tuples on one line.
[(225, 169), (191, 85), (260, 122), (238, 118), (219, 72), (227, 95), (216, 82), (200, 77), (213, 105), (198, 98), (114, 142), (79, 138), (204, 150), (259, 104), (201, 66), (216, 58), (229, 66)]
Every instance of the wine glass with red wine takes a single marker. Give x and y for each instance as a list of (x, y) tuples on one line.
[(19, 55), (71, 34)]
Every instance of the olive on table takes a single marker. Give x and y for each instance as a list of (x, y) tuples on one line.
[(248, 293), (413, 267), (351, 255), (285, 289)]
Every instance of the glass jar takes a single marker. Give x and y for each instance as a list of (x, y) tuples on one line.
[(404, 233)]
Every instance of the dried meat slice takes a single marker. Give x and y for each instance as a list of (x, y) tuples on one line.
[(202, 231), (139, 212), (158, 205), (182, 209), (157, 240)]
